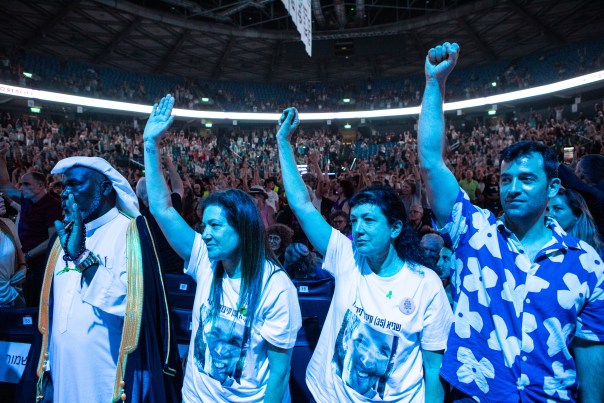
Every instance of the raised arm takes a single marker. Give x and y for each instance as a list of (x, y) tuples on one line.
[(177, 232), (441, 185), (5, 182), (175, 179), (315, 227)]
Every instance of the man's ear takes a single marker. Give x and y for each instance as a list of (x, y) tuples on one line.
[(554, 187), (106, 187), (396, 229)]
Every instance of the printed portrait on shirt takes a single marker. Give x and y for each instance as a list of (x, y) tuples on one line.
[(220, 347), (364, 356)]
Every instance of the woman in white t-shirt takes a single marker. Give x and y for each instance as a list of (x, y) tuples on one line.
[(246, 314), (389, 318)]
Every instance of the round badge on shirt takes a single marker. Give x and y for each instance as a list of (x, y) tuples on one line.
[(407, 306)]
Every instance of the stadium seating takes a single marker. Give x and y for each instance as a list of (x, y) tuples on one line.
[(180, 289)]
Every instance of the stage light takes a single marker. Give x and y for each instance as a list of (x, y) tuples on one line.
[(492, 112), (347, 126), (28, 75)]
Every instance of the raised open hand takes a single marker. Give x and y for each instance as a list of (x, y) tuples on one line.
[(288, 123), (160, 119), (441, 60)]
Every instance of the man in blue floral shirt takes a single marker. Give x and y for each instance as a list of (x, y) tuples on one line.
[(529, 318)]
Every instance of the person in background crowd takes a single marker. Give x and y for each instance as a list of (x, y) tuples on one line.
[(416, 219), (103, 317), (273, 198), (411, 194), (246, 314), (470, 185), (302, 264), (491, 195), (569, 209), (170, 262), (382, 285), (528, 293), (12, 263), (197, 225), (35, 223), (279, 238), (431, 245), (266, 212), (343, 190), (340, 221), (588, 180), (443, 268), (55, 189)]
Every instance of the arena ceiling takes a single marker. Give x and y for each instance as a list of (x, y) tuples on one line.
[(255, 40)]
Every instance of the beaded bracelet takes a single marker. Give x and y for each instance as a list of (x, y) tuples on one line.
[(66, 257)]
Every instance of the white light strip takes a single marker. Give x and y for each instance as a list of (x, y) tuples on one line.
[(272, 117)]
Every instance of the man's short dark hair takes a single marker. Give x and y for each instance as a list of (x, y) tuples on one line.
[(525, 148), (38, 177)]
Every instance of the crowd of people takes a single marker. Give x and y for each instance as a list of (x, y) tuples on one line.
[(99, 82), (452, 239)]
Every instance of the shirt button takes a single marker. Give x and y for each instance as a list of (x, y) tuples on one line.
[(528, 301), (524, 358)]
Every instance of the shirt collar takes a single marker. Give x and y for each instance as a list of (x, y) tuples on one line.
[(102, 220), (560, 240)]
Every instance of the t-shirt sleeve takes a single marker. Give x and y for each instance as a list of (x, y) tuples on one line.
[(590, 325), (198, 253), (437, 315), (281, 313), (339, 250)]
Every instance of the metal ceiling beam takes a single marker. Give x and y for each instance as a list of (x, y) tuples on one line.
[(242, 5), (51, 24), (484, 47), (167, 58), (388, 29), (534, 21), (225, 54), (117, 39), (197, 10)]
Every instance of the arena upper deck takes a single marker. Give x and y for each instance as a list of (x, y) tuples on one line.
[(254, 40)]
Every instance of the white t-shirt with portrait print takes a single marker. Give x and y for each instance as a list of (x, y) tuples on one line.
[(221, 365), (370, 349)]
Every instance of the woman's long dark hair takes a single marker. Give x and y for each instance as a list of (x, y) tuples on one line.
[(584, 228), (243, 215), (407, 243)]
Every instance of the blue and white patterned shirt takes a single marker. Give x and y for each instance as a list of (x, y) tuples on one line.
[(515, 319)]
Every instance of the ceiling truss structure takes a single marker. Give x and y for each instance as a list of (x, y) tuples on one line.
[(255, 40)]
